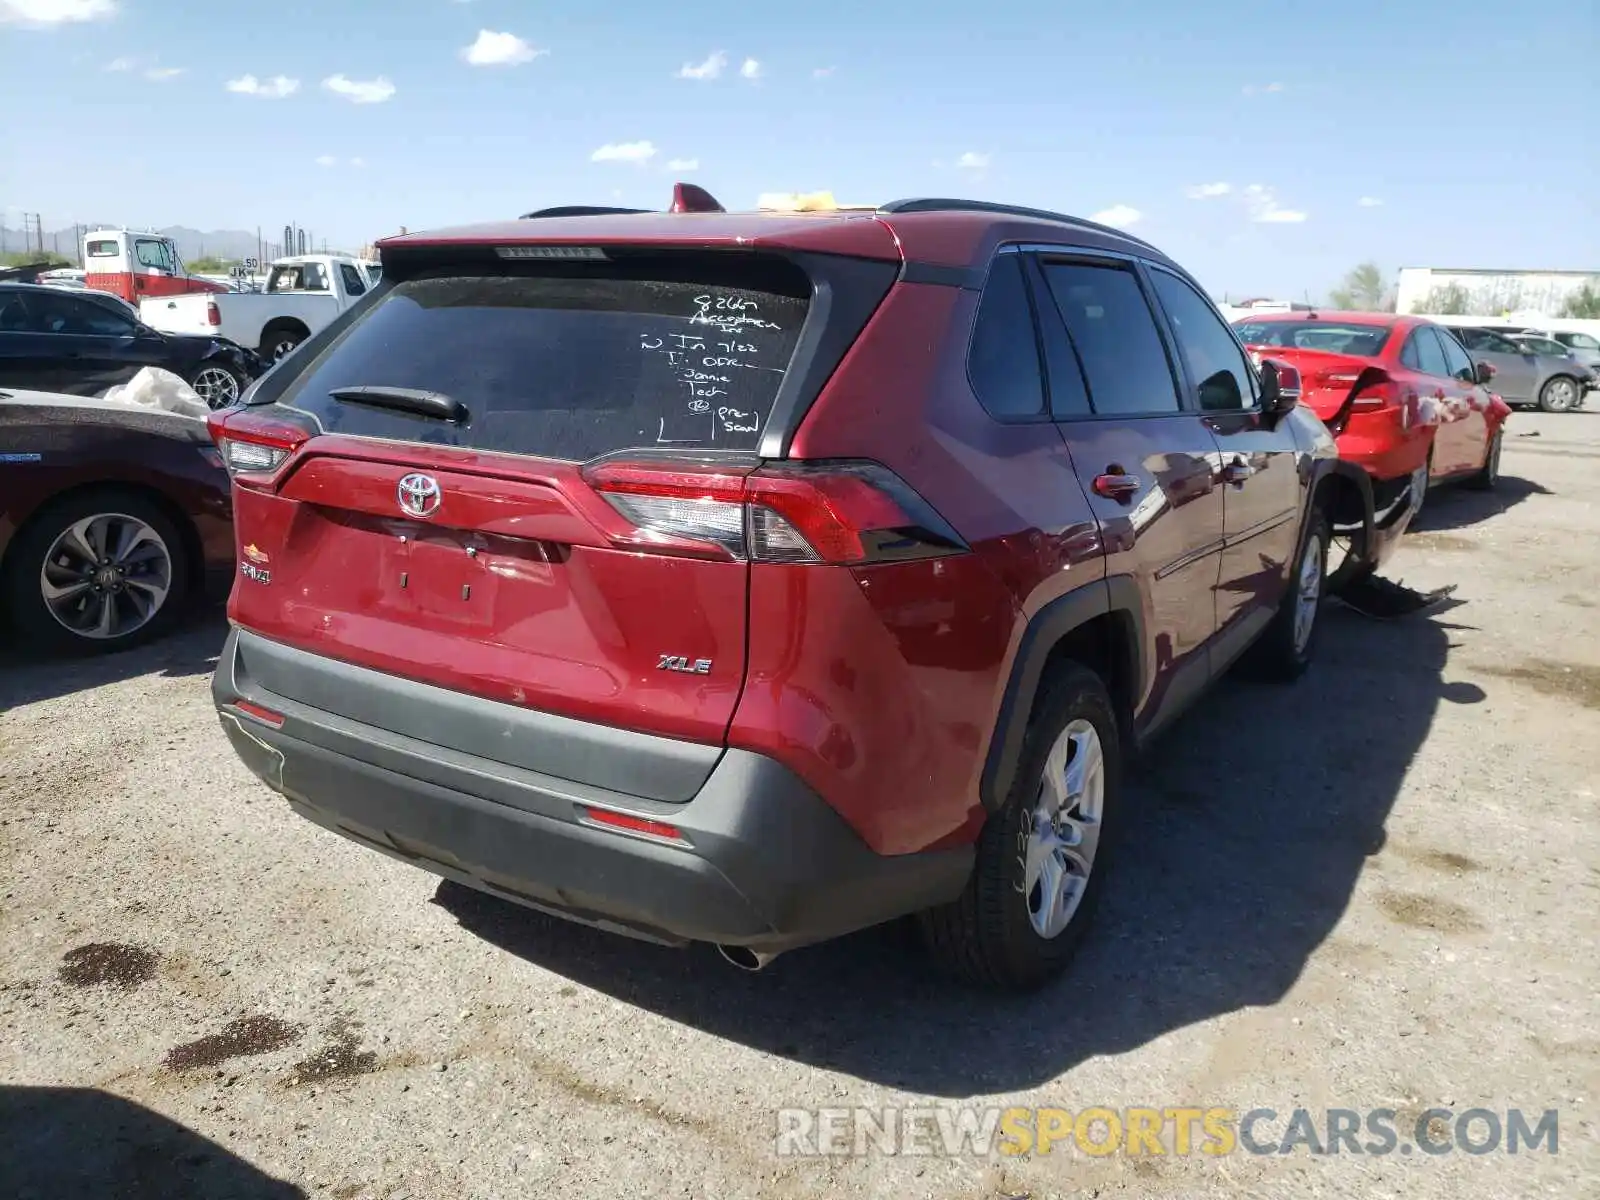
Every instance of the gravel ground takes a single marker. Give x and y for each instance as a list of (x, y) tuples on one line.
[(1377, 890)]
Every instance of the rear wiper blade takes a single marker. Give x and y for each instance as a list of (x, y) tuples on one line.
[(411, 400)]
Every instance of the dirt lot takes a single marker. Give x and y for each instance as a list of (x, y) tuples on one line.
[(1378, 890)]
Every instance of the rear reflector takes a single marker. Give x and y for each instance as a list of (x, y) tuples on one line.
[(213, 314), (627, 823), (265, 715), (839, 512)]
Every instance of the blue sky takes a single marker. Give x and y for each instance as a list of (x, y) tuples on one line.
[(1269, 146)]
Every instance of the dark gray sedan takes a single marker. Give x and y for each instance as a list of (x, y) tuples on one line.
[(1554, 383)]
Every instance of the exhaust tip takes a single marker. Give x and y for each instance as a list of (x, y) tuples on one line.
[(745, 958)]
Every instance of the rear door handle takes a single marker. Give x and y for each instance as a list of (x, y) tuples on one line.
[(1237, 471), (1117, 484)]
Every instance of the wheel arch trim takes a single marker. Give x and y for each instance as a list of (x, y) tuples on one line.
[(1116, 595)]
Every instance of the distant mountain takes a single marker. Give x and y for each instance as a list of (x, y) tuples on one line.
[(192, 243)]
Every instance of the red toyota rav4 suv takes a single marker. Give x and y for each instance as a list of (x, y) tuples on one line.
[(756, 578)]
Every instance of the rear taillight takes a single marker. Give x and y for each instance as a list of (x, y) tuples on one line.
[(253, 446), (838, 512), (1375, 394), (213, 314)]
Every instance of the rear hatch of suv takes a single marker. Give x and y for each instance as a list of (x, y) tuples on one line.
[(519, 472)]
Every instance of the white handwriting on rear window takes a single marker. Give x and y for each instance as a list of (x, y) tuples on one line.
[(737, 421)]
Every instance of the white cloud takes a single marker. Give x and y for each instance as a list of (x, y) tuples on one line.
[(712, 67), (327, 160), (624, 152), (162, 74), (43, 14), (1263, 206), (684, 165), (1119, 216), (500, 50), (822, 72), (1207, 191), (1251, 89), (122, 64), (751, 69), (275, 88), (973, 161), (1369, 202), (358, 162), (360, 91)]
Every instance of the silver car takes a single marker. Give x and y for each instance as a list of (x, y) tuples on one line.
[(1582, 346), (1555, 383)]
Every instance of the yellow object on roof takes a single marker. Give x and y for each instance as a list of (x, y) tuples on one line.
[(805, 202)]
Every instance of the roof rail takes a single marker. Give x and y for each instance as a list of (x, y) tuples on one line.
[(579, 210), (939, 204)]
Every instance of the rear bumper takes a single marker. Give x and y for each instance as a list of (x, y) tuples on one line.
[(764, 862)]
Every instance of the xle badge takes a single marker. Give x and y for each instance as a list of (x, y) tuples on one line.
[(675, 662)]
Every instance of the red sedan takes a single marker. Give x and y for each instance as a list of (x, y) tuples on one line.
[(1399, 394)]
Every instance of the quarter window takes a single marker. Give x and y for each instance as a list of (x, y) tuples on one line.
[(1115, 336), (1003, 362)]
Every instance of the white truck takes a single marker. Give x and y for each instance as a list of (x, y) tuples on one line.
[(303, 293)]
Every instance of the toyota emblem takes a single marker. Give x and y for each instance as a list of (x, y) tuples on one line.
[(419, 495)]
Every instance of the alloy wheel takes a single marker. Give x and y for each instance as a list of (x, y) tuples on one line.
[(1064, 829), (216, 386), (106, 576), (1560, 395), (1308, 592)]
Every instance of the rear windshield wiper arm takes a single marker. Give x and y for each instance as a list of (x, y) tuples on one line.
[(411, 400)]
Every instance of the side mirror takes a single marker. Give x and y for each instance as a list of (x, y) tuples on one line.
[(1482, 372), (1280, 387)]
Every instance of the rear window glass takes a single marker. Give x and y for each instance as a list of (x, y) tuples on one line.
[(565, 366), (106, 249), (298, 277), (1333, 336)]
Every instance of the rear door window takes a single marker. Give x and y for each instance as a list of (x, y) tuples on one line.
[(1115, 336), (571, 366)]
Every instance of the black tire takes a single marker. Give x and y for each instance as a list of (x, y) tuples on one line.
[(1423, 483), (1560, 393), (208, 386), (21, 583), (986, 935), (1281, 654), (278, 340), (1487, 477)]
